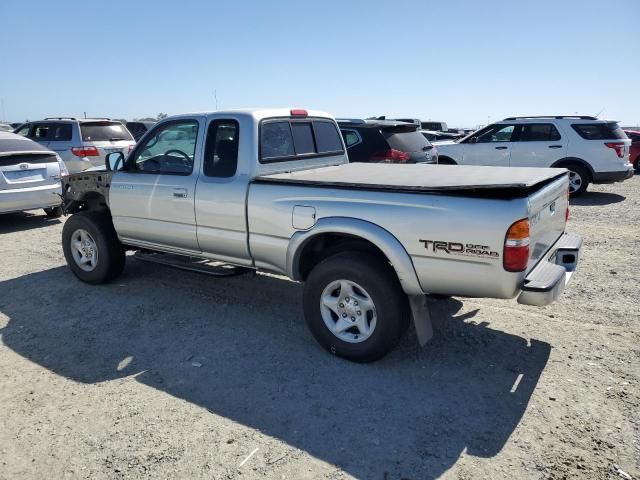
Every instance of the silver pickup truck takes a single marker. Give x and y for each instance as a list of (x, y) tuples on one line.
[(273, 190)]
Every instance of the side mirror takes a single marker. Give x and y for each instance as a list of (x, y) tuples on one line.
[(114, 161)]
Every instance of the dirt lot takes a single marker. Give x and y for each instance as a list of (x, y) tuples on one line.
[(169, 374)]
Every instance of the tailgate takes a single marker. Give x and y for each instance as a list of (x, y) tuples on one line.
[(547, 217)]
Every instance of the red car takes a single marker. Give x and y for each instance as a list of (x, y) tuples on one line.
[(634, 151)]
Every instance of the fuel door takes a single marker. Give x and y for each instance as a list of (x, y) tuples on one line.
[(303, 217)]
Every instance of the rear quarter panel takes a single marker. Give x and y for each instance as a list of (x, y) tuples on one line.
[(470, 232)]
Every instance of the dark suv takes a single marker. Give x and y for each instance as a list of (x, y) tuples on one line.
[(387, 141)]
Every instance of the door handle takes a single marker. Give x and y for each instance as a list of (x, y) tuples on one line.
[(180, 192), (501, 148), (555, 146)]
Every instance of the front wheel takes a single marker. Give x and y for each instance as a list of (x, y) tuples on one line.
[(578, 180), (355, 307), (91, 247)]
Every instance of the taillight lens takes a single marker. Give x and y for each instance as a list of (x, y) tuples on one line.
[(516, 247), (63, 168), (85, 151), (617, 146), (391, 155)]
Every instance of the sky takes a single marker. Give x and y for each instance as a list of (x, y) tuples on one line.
[(463, 62)]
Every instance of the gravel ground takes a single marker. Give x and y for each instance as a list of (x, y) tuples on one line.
[(176, 375)]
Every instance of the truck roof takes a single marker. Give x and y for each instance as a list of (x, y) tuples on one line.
[(257, 113)]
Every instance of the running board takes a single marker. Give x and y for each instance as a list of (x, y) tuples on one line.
[(192, 264)]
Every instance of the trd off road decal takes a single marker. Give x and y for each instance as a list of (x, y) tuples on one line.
[(455, 248)]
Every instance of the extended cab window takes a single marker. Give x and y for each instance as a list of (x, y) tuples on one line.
[(168, 150), (221, 150), (40, 133), (539, 132), (282, 140)]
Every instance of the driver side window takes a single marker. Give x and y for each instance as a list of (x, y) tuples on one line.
[(169, 150)]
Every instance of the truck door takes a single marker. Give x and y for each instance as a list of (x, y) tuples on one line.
[(492, 146), (538, 145), (221, 193), (152, 201)]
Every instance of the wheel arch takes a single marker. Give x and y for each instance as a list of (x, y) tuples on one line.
[(332, 235), (445, 160), (565, 162), (88, 201)]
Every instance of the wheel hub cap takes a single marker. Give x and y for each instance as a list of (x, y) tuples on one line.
[(348, 311), (84, 250)]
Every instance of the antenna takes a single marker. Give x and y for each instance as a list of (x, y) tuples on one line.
[(598, 114), (215, 97), (3, 115)]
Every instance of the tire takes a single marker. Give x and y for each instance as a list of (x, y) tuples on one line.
[(95, 232), (53, 212), (578, 179), (636, 164), (376, 303), (446, 161)]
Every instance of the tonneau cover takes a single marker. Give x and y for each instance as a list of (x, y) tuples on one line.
[(419, 177)]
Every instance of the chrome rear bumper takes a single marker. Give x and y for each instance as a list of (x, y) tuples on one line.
[(548, 279)]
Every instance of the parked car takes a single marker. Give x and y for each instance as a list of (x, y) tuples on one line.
[(388, 141), (138, 129), (81, 143), (434, 136), (594, 151), (435, 126), (5, 127), (273, 190), (30, 176), (634, 151)]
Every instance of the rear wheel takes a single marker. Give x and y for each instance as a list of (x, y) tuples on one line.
[(53, 212), (578, 180), (91, 247), (636, 164), (354, 306)]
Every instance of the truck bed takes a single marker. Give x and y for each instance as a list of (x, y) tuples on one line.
[(450, 179)]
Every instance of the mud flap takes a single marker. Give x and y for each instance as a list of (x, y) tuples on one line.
[(421, 316)]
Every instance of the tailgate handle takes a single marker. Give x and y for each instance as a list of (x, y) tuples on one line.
[(555, 146), (501, 148)]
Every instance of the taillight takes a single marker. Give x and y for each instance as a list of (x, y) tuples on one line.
[(617, 146), (391, 155), (516, 247), (85, 151)]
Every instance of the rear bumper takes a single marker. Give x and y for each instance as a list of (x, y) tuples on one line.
[(611, 177), (21, 199), (548, 279)]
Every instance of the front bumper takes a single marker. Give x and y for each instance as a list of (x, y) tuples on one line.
[(548, 279), (611, 177), (20, 199)]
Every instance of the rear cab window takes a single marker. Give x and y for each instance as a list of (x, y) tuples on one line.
[(291, 139), (599, 131), (104, 131)]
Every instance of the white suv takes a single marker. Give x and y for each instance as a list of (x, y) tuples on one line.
[(594, 151)]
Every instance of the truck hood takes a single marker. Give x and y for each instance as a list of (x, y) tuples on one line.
[(421, 177)]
